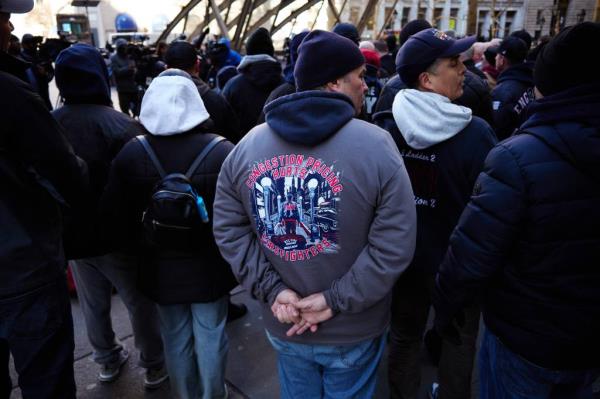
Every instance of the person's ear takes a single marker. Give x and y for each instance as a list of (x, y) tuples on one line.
[(424, 81), (333, 85)]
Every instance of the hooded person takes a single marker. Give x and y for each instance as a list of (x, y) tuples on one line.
[(395, 84), (41, 179), (528, 243), (260, 74), (182, 55), (354, 231), (123, 69), (289, 84), (191, 284), (443, 146), (97, 133), (514, 86), (476, 94)]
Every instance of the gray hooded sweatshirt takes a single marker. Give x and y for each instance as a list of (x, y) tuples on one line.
[(317, 201)]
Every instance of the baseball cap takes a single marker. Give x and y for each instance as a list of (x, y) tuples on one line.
[(423, 48), (181, 55), (513, 48), (16, 6)]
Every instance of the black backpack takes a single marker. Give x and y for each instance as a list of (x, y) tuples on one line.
[(176, 214)]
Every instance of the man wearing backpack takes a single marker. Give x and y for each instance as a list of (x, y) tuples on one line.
[(159, 188)]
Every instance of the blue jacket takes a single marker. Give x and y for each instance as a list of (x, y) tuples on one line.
[(528, 243), (510, 97)]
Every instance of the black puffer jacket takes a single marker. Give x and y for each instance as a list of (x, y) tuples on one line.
[(167, 277), (248, 91), (225, 120), (476, 96), (38, 173), (528, 242)]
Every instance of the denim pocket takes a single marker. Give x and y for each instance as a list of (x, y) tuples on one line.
[(353, 356)]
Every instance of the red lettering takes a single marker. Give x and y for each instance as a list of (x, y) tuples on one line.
[(309, 161), (299, 159), (316, 165), (337, 189)]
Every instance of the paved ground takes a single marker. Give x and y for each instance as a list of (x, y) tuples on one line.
[(251, 369)]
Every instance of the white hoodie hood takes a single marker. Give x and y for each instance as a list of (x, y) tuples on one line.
[(172, 105), (425, 119)]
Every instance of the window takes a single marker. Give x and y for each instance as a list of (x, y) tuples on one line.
[(405, 16), (354, 15), (437, 18), (453, 19)]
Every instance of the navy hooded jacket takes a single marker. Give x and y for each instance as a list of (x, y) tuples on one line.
[(96, 131), (528, 242), (510, 97)]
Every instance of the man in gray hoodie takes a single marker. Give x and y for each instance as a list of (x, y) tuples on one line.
[(354, 233), (443, 146)]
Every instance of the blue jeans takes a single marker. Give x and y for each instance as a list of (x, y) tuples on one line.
[(505, 375), (195, 346), (328, 371)]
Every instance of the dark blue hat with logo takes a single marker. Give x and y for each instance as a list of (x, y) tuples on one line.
[(423, 48)]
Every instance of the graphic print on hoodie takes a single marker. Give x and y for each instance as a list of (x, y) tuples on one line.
[(295, 200)]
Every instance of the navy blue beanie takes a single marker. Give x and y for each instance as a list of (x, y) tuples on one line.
[(324, 57), (348, 31), (82, 76)]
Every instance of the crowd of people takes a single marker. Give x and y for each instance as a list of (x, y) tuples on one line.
[(350, 190)]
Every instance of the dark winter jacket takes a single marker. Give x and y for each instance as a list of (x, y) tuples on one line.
[(471, 67), (510, 97), (95, 131), (167, 277), (247, 92), (528, 243), (282, 90), (224, 118), (123, 69), (442, 177), (373, 92), (476, 96), (40, 176)]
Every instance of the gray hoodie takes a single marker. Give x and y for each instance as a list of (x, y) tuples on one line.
[(317, 201)]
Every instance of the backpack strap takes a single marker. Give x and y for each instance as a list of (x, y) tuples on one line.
[(213, 143), (161, 171)]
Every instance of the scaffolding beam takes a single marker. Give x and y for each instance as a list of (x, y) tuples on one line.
[(185, 10), (369, 9)]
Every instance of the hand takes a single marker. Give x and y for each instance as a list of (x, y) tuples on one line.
[(283, 308), (313, 310)]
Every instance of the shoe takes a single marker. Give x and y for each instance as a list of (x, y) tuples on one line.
[(235, 311), (155, 377), (111, 371), (435, 389)]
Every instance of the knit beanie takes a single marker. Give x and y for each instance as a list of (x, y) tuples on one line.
[(260, 42), (414, 26), (348, 31), (557, 69), (324, 57), (371, 57), (181, 55)]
